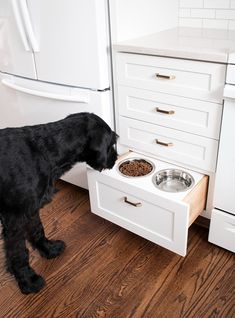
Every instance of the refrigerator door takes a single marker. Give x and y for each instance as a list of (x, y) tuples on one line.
[(72, 38), (16, 55), (29, 102)]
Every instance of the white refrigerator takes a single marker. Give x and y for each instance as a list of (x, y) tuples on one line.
[(54, 61)]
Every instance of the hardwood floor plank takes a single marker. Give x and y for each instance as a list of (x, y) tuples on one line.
[(107, 271)]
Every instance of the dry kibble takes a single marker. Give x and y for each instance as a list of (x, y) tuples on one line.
[(135, 168)]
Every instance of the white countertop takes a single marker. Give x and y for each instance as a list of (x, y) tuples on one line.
[(212, 45)]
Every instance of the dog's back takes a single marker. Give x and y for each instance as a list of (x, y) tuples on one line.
[(21, 169)]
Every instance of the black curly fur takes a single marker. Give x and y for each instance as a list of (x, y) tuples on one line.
[(32, 158)]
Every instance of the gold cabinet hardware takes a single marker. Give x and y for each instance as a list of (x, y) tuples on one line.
[(167, 112), (166, 144), (138, 204), (167, 77)]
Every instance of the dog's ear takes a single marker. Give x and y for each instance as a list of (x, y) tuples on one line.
[(101, 151), (114, 139)]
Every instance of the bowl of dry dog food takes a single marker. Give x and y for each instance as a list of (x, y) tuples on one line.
[(173, 180), (135, 167)]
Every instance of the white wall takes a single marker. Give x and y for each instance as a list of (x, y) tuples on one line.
[(134, 18), (219, 14)]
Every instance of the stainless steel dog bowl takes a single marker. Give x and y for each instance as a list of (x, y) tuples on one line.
[(173, 180), (131, 160)]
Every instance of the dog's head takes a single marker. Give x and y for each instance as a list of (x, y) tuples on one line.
[(100, 149)]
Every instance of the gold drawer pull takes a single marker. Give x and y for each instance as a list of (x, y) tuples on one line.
[(138, 204), (167, 112), (166, 144), (167, 77)]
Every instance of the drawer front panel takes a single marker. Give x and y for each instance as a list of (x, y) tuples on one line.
[(190, 115), (192, 79), (184, 148), (166, 226), (222, 230)]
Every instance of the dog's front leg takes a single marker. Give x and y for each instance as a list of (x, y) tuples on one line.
[(17, 255), (36, 236)]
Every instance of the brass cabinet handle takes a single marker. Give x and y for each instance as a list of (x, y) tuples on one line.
[(167, 112), (138, 204), (166, 144), (167, 77)]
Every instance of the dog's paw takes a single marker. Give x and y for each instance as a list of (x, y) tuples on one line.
[(52, 248), (31, 284)]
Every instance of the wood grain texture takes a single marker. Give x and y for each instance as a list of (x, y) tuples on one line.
[(197, 199), (107, 271)]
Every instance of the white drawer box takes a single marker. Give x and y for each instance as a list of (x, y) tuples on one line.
[(190, 115), (183, 147), (161, 217), (222, 230), (193, 79)]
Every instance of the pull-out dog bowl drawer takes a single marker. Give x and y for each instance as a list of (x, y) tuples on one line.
[(135, 203)]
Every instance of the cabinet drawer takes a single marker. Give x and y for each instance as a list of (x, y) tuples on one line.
[(159, 216), (222, 230), (199, 80), (168, 143), (190, 115)]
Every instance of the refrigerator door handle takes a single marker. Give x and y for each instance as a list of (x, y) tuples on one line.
[(19, 24), (28, 25), (78, 98)]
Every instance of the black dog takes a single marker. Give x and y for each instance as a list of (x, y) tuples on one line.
[(32, 158)]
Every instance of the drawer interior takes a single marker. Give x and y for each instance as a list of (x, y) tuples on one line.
[(197, 199)]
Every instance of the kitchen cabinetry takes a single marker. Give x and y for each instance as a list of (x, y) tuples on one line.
[(168, 111), (148, 87)]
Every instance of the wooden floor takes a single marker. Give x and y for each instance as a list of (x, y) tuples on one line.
[(109, 272)]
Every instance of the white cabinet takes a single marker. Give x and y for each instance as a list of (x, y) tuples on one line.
[(186, 114), (222, 230), (168, 109), (168, 143), (137, 205), (193, 79)]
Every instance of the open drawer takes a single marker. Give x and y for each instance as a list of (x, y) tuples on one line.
[(135, 203)]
